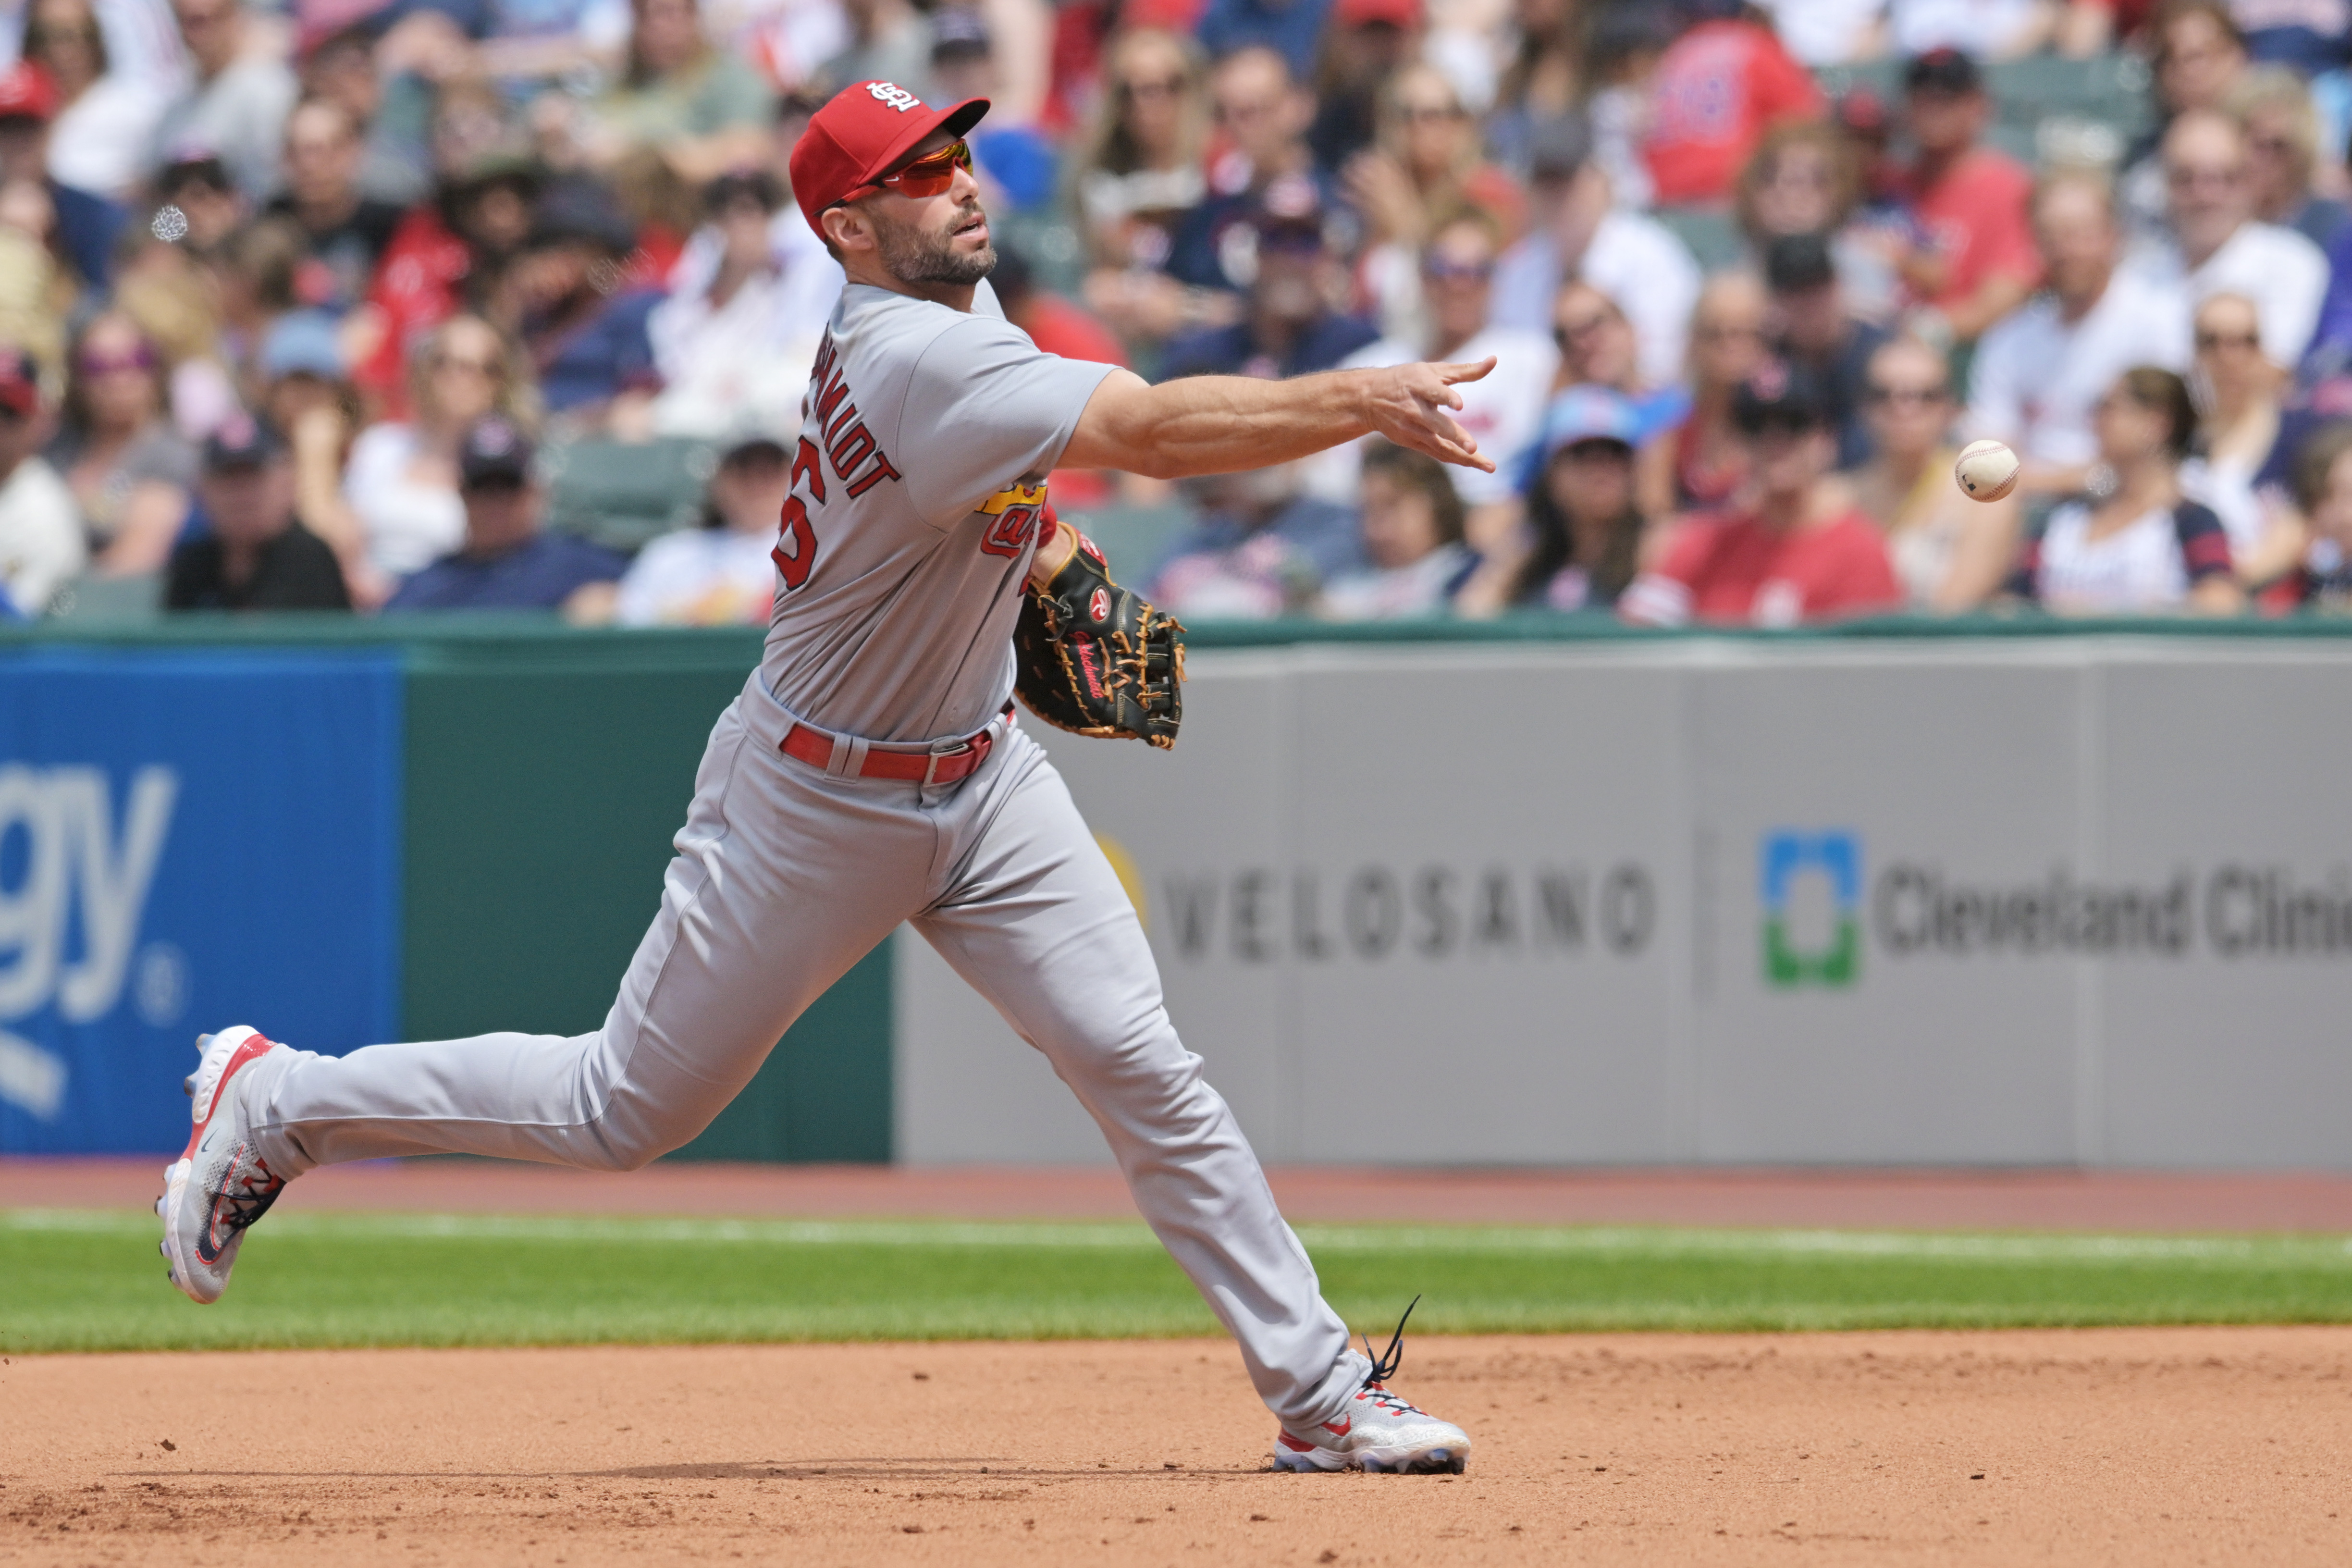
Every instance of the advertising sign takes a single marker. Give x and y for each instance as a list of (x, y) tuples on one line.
[(187, 840)]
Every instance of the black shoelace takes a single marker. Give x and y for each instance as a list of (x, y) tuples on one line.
[(250, 1205), (1384, 1366)]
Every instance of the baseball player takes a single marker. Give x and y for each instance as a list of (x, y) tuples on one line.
[(870, 773)]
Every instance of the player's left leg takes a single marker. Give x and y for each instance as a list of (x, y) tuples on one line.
[(1031, 915)]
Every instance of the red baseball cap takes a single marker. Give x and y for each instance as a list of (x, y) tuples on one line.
[(28, 93), (866, 127)]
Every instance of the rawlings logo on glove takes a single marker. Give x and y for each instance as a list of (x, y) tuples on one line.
[(1099, 659)]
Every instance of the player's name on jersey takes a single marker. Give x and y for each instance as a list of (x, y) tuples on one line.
[(1375, 914)]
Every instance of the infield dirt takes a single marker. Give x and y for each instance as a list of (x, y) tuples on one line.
[(2171, 1446)]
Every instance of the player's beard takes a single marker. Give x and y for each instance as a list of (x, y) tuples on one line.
[(913, 257)]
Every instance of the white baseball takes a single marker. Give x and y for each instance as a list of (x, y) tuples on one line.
[(1986, 471)]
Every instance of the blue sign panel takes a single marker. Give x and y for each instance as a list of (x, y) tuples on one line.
[(187, 840)]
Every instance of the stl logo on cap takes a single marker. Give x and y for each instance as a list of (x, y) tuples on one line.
[(896, 97)]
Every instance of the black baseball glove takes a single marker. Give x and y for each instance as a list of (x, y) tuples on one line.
[(1096, 658)]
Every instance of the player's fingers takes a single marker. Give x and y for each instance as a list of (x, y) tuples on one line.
[(1449, 443), (1450, 374)]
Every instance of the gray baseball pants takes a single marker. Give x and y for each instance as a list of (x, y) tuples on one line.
[(785, 876)]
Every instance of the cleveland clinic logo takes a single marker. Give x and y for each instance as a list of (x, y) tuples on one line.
[(1813, 909)]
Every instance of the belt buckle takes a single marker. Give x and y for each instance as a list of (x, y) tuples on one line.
[(940, 751)]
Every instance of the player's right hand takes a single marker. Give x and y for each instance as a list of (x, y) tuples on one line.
[(1412, 405)]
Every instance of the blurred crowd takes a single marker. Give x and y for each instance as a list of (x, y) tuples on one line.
[(297, 304)]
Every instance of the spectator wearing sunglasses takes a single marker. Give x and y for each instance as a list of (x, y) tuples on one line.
[(130, 473), (2283, 137), (41, 543), (1504, 411), (2217, 243), (1576, 230), (1951, 553), (508, 562), (2238, 428), (1797, 551), (1139, 172), (1426, 166), (1289, 326)]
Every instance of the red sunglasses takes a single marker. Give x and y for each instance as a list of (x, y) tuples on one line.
[(926, 176)]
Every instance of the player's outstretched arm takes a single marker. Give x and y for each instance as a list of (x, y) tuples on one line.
[(1221, 423)]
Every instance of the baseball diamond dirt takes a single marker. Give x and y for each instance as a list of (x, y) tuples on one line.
[(2081, 1447)]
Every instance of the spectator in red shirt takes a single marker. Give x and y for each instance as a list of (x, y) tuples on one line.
[(1977, 262), (1719, 87), (1793, 549)]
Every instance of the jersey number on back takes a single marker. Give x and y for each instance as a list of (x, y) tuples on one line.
[(795, 550)]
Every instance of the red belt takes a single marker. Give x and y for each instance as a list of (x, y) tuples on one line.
[(943, 765)]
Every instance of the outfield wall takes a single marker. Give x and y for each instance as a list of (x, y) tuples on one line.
[(1999, 900), (1438, 893)]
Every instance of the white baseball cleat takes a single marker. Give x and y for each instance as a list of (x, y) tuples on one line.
[(220, 1186), (1375, 1430)]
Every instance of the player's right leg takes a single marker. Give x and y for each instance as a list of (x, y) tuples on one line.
[(785, 878)]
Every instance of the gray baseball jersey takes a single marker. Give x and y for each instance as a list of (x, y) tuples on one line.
[(918, 481), (916, 490)]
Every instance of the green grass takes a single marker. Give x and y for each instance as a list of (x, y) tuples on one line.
[(89, 1280)]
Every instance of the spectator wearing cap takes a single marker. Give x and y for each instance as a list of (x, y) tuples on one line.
[(508, 561), (1952, 552), (131, 474), (347, 231), (721, 573), (1807, 178), (1263, 114), (1365, 44), (1577, 231), (702, 110), (1597, 350), (1505, 409), (1410, 519), (105, 119), (2216, 244), (1813, 328), (401, 482), (734, 339), (1795, 550), (2136, 545), (207, 200), (583, 324), (41, 543), (1138, 171), (2039, 370), (1718, 88), (85, 222), (235, 105), (1289, 327), (306, 396), (1585, 526), (257, 554), (1292, 29), (1968, 201), (2282, 135), (1017, 165), (1426, 166)]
